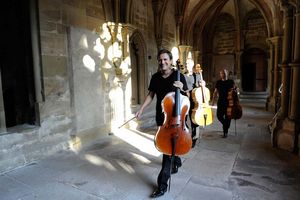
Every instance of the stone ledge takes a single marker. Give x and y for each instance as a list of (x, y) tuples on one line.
[(27, 153), (87, 137)]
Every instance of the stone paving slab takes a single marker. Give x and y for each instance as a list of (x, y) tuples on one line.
[(125, 165)]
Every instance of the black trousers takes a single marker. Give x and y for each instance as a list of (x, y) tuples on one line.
[(222, 117), (165, 172)]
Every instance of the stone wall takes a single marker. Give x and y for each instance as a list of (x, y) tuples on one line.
[(59, 62), (85, 81), (223, 46), (169, 27), (255, 30), (224, 38)]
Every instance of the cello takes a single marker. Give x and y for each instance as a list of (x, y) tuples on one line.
[(202, 113), (173, 137), (234, 109)]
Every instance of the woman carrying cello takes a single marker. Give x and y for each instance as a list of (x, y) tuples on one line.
[(201, 113), (192, 80), (163, 82), (223, 86)]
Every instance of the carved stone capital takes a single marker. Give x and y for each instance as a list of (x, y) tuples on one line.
[(184, 48), (274, 41), (128, 29)]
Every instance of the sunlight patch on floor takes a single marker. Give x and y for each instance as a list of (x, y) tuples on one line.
[(96, 160), (144, 144)]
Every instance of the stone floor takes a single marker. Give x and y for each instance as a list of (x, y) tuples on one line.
[(124, 165)]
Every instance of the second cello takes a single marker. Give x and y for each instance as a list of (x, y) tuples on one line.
[(202, 113)]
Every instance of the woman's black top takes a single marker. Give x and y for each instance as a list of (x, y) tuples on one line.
[(162, 86), (223, 88)]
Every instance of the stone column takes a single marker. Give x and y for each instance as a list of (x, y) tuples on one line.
[(286, 129), (238, 61), (275, 46), (190, 49), (125, 42), (295, 65), (270, 70), (237, 68), (238, 45), (157, 11), (127, 31), (2, 110), (179, 18), (183, 53), (197, 58), (115, 29), (295, 107), (36, 52), (286, 59), (207, 62)]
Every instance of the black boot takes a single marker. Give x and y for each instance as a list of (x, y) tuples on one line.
[(225, 133), (158, 192), (194, 143), (175, 168)]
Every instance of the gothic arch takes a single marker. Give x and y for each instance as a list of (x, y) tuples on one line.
[(201, 17), (207, 14), (138, 54), (249, 15), (266, 13), (159, 10), (261, 44)]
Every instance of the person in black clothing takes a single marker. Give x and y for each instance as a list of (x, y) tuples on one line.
[(223, 86), (163, 82)]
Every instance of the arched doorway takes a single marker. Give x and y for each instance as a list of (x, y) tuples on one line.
[(138, 68), (254, 70), (16, 64)]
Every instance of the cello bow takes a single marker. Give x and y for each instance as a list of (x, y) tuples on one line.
[(127, 122)]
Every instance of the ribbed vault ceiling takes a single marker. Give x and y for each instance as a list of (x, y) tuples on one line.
[(197, 13)]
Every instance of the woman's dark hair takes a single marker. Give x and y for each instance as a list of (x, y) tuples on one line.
[(162, 51)]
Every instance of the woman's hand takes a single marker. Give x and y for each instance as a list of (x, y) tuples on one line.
[(139, 113), (179, 85)]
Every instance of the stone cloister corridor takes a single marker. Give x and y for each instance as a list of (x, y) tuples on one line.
[(72, 71), (242, 166)]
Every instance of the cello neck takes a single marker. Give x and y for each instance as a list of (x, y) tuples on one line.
[(201, 77), (202, 86), (177, 109)]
